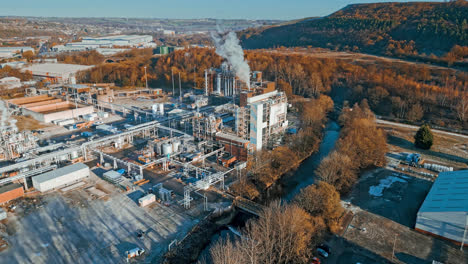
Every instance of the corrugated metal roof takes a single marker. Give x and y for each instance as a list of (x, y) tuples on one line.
[(449, 193), (56, 68), (59, 172), (11, 186)]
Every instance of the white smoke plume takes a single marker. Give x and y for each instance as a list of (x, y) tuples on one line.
[(5, 116), (228, 47)]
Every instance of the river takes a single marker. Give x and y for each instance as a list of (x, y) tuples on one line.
[(288, 187)]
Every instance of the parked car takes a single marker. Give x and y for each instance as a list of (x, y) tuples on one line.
[(322, 252), (325, 247), (315, 260)]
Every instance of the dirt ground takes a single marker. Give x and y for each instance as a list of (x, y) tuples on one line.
[(447, 150), (79, 227), (378, 235), (29, 123)]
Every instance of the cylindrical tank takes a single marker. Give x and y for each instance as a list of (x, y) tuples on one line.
[(166, 148), (155, 108), (175, 145), (161, 109), (74, 155)]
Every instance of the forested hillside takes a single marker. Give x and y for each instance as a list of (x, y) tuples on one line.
[(418, 30)]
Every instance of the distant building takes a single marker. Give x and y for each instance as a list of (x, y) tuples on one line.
[(9, 52), (57, 72), (105, 45), (444, 212), (10, 82)]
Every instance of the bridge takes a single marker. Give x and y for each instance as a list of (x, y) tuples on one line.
[(248, 206)]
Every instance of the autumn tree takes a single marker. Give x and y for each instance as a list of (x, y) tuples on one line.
[(282, 234), (321, 200), (338, 170), (424, 138), (416, 112), (28, 55)]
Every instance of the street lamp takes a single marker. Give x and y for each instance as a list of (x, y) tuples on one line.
[(464, 232)]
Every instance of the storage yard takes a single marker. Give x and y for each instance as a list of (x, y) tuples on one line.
[(77, 226)]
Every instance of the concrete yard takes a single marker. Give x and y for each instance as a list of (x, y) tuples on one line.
[(78, 227)]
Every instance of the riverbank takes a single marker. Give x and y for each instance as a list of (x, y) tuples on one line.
[(189, 248)]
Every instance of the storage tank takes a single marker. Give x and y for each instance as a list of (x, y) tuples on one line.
[(175, 145), (155, 108), (166, 148), (161, 109), (74, 155)]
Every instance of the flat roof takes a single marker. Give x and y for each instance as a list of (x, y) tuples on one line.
[(449, 193), (55, 68), (117, 37), (59, 172), (231, 137), (10, 186)]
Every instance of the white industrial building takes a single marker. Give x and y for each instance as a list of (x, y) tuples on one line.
[(113, 41), (9, 52), (57, 72), (10, 82), (263, 118), (444, 212), (61, 177)]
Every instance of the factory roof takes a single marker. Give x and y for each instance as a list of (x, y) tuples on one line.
[(56, 68), (117, 37), (8, 187), (9, 79), (59, 172), (449, 193), (231, 137)]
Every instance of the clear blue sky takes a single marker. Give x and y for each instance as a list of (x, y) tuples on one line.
[(249, 9)]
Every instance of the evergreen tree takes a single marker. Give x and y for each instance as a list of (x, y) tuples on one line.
[(424, 138)]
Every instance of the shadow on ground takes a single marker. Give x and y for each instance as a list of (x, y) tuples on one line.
[(401, 142)]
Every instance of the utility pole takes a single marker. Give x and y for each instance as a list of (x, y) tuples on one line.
[(146, 77), (180, 90), (194, 77), (173, 90), (393, 250), (464, 233)]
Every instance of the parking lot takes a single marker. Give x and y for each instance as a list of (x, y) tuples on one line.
[(78, 227)]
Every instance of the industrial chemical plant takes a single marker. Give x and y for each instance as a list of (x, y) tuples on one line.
[(143, 145)]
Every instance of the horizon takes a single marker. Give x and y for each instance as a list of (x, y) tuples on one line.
[(277, 10)]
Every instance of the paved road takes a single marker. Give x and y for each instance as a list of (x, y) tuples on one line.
[(380, 121)]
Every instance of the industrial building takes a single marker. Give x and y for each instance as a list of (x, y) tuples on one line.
[(56, 72), (444, 212), (262, 118), (89, 43), (9, 52), (47, 109), (10, 192), (61, 177), (10, 83)]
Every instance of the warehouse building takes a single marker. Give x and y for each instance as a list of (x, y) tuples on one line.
[(10, 192), (47, 109), (9, 52), (61, 177), (444, 212), (89, 43), (56, 72)]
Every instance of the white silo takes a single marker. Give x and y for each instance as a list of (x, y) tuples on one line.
[(161, 109), (155, 108), (166, 148)]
